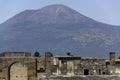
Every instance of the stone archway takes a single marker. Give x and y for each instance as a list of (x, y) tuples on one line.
[(17, 71)]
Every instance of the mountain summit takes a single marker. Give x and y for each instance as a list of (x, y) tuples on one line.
[(50, 14), (59, 29)]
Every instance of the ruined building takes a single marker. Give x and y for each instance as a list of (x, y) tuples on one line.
[(113, 64), (23, 66)]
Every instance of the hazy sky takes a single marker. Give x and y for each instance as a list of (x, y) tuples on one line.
[(107, 11)]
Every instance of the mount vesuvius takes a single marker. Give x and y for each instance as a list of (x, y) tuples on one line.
[(58, 29)]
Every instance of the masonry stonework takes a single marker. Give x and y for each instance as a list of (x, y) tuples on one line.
[(23, 66)]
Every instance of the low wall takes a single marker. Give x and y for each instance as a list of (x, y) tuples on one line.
[(104, 77)]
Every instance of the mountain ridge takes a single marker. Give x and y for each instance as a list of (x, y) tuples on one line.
[(58, 30)]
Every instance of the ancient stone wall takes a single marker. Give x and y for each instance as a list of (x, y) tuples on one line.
[(15, 54), (93, 66), (5, 62)]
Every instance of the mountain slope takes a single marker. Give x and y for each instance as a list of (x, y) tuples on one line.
[(59, 29)]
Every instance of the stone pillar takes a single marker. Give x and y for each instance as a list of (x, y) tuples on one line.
[(48, 60), (70, 67), (112, 62), (59, 67)]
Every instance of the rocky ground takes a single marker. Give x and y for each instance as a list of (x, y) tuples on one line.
[(105, 77)]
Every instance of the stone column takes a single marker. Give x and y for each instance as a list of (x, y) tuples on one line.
[(112, 62)]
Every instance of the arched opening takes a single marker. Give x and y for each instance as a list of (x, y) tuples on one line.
[(17, 71)]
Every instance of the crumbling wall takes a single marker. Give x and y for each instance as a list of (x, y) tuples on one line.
[(5, 62), (93, 66)]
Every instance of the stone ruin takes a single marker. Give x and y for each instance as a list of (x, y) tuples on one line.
[(24, 66)]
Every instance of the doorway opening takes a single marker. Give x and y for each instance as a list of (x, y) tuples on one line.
[(86, 72)]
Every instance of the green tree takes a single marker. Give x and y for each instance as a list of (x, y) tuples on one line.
[(69, 53), (37, 54)]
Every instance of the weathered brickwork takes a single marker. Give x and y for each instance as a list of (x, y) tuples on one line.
[(6, 64), (23, 66)]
